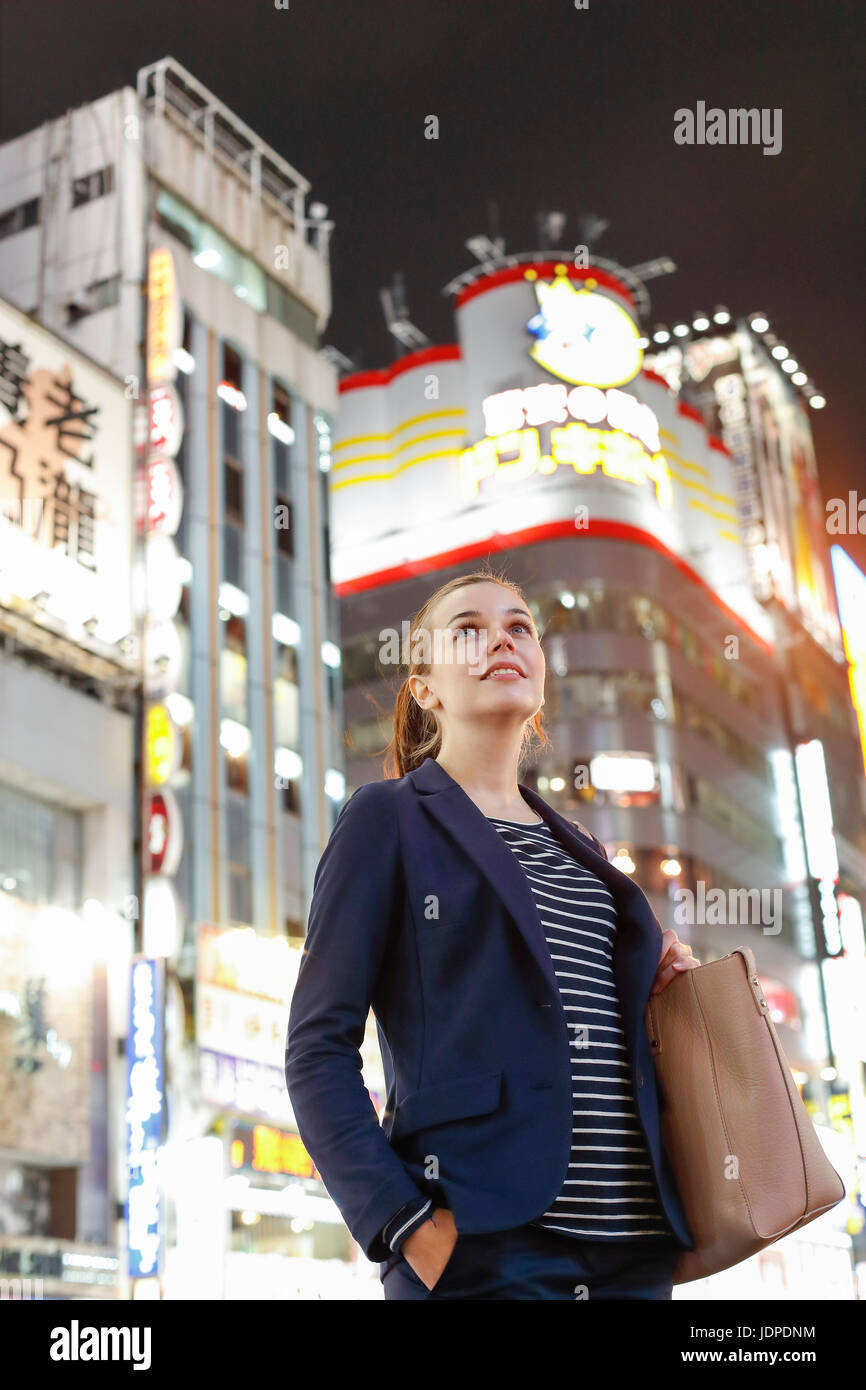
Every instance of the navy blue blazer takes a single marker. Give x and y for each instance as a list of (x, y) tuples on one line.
[(421, 911)]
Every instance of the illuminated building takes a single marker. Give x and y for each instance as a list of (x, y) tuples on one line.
[(659, 507), (67, 694), (153, 218)]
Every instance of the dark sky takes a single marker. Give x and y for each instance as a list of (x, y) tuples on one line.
[(540, 105)]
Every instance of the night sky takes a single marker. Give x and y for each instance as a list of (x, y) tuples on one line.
[(540, 105)]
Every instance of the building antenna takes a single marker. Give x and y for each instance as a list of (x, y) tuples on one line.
[(405, 334)]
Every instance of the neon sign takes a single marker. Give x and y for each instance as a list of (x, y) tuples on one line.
[(517, 454), (165, 420), (161, 492), (163, 316), (145, 1098), (266, 1149), (552, 404), (160, 509), (581, 336)]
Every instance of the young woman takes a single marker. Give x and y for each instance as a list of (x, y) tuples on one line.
[(508, 965)]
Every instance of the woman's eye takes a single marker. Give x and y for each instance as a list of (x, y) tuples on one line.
[(473, 627)]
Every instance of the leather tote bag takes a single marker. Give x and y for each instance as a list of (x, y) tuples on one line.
[(746, 1157)]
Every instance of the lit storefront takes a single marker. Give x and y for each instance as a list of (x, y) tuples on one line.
[(250, 1217)]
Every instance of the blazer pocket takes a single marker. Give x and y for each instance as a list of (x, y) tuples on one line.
[(447, 1100)]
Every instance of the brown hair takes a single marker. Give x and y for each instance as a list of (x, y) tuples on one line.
[(416, 733)]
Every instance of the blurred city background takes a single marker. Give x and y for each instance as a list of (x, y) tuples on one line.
[(212, 514)]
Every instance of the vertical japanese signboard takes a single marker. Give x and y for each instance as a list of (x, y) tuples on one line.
[(159, 509), (66, 537), (145, 1108)]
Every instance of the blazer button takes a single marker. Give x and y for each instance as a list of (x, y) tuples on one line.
[(545, 1005)]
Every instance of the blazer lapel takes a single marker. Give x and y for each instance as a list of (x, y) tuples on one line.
[(635, 957)]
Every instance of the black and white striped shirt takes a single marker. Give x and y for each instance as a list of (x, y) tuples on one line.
[(609, 1192)]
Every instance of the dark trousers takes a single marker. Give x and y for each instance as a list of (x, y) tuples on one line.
[(530, 1262)]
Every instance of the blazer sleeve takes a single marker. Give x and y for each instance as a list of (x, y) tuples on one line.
[(357, 893)]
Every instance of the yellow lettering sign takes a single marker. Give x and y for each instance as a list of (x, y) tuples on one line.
[(516, 454)]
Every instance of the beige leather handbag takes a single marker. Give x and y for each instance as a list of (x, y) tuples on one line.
[(746, 1157)]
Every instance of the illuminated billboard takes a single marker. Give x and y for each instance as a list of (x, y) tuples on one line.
[(243, 994), (66, 529), (750, 404), (540, 421)]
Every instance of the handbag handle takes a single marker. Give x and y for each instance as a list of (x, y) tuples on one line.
[(652, 1020)]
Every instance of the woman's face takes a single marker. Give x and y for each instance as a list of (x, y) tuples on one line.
[(473, 630)]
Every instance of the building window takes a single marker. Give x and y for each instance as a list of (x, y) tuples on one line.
[(233, 686), (287, 728), (360, 664), (240, 905), (233, 562), (41, 850), (232, 367), (236, 634), (91, 186), (234, 491), (238, 810), (231, 432), (719, 809), (285, 586), (286, 713), (281, 406), (598, 610), (237, 772), (102, 294), (20, 218), (247, 279), (297, 317), (326, 552)]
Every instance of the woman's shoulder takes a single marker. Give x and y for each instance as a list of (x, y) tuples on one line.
[(367, 819), (377, 790), (376, 798)]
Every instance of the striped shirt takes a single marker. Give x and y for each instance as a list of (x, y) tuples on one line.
[(609, 1191)]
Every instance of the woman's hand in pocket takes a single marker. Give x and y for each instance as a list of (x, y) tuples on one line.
[(428, 1249)]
